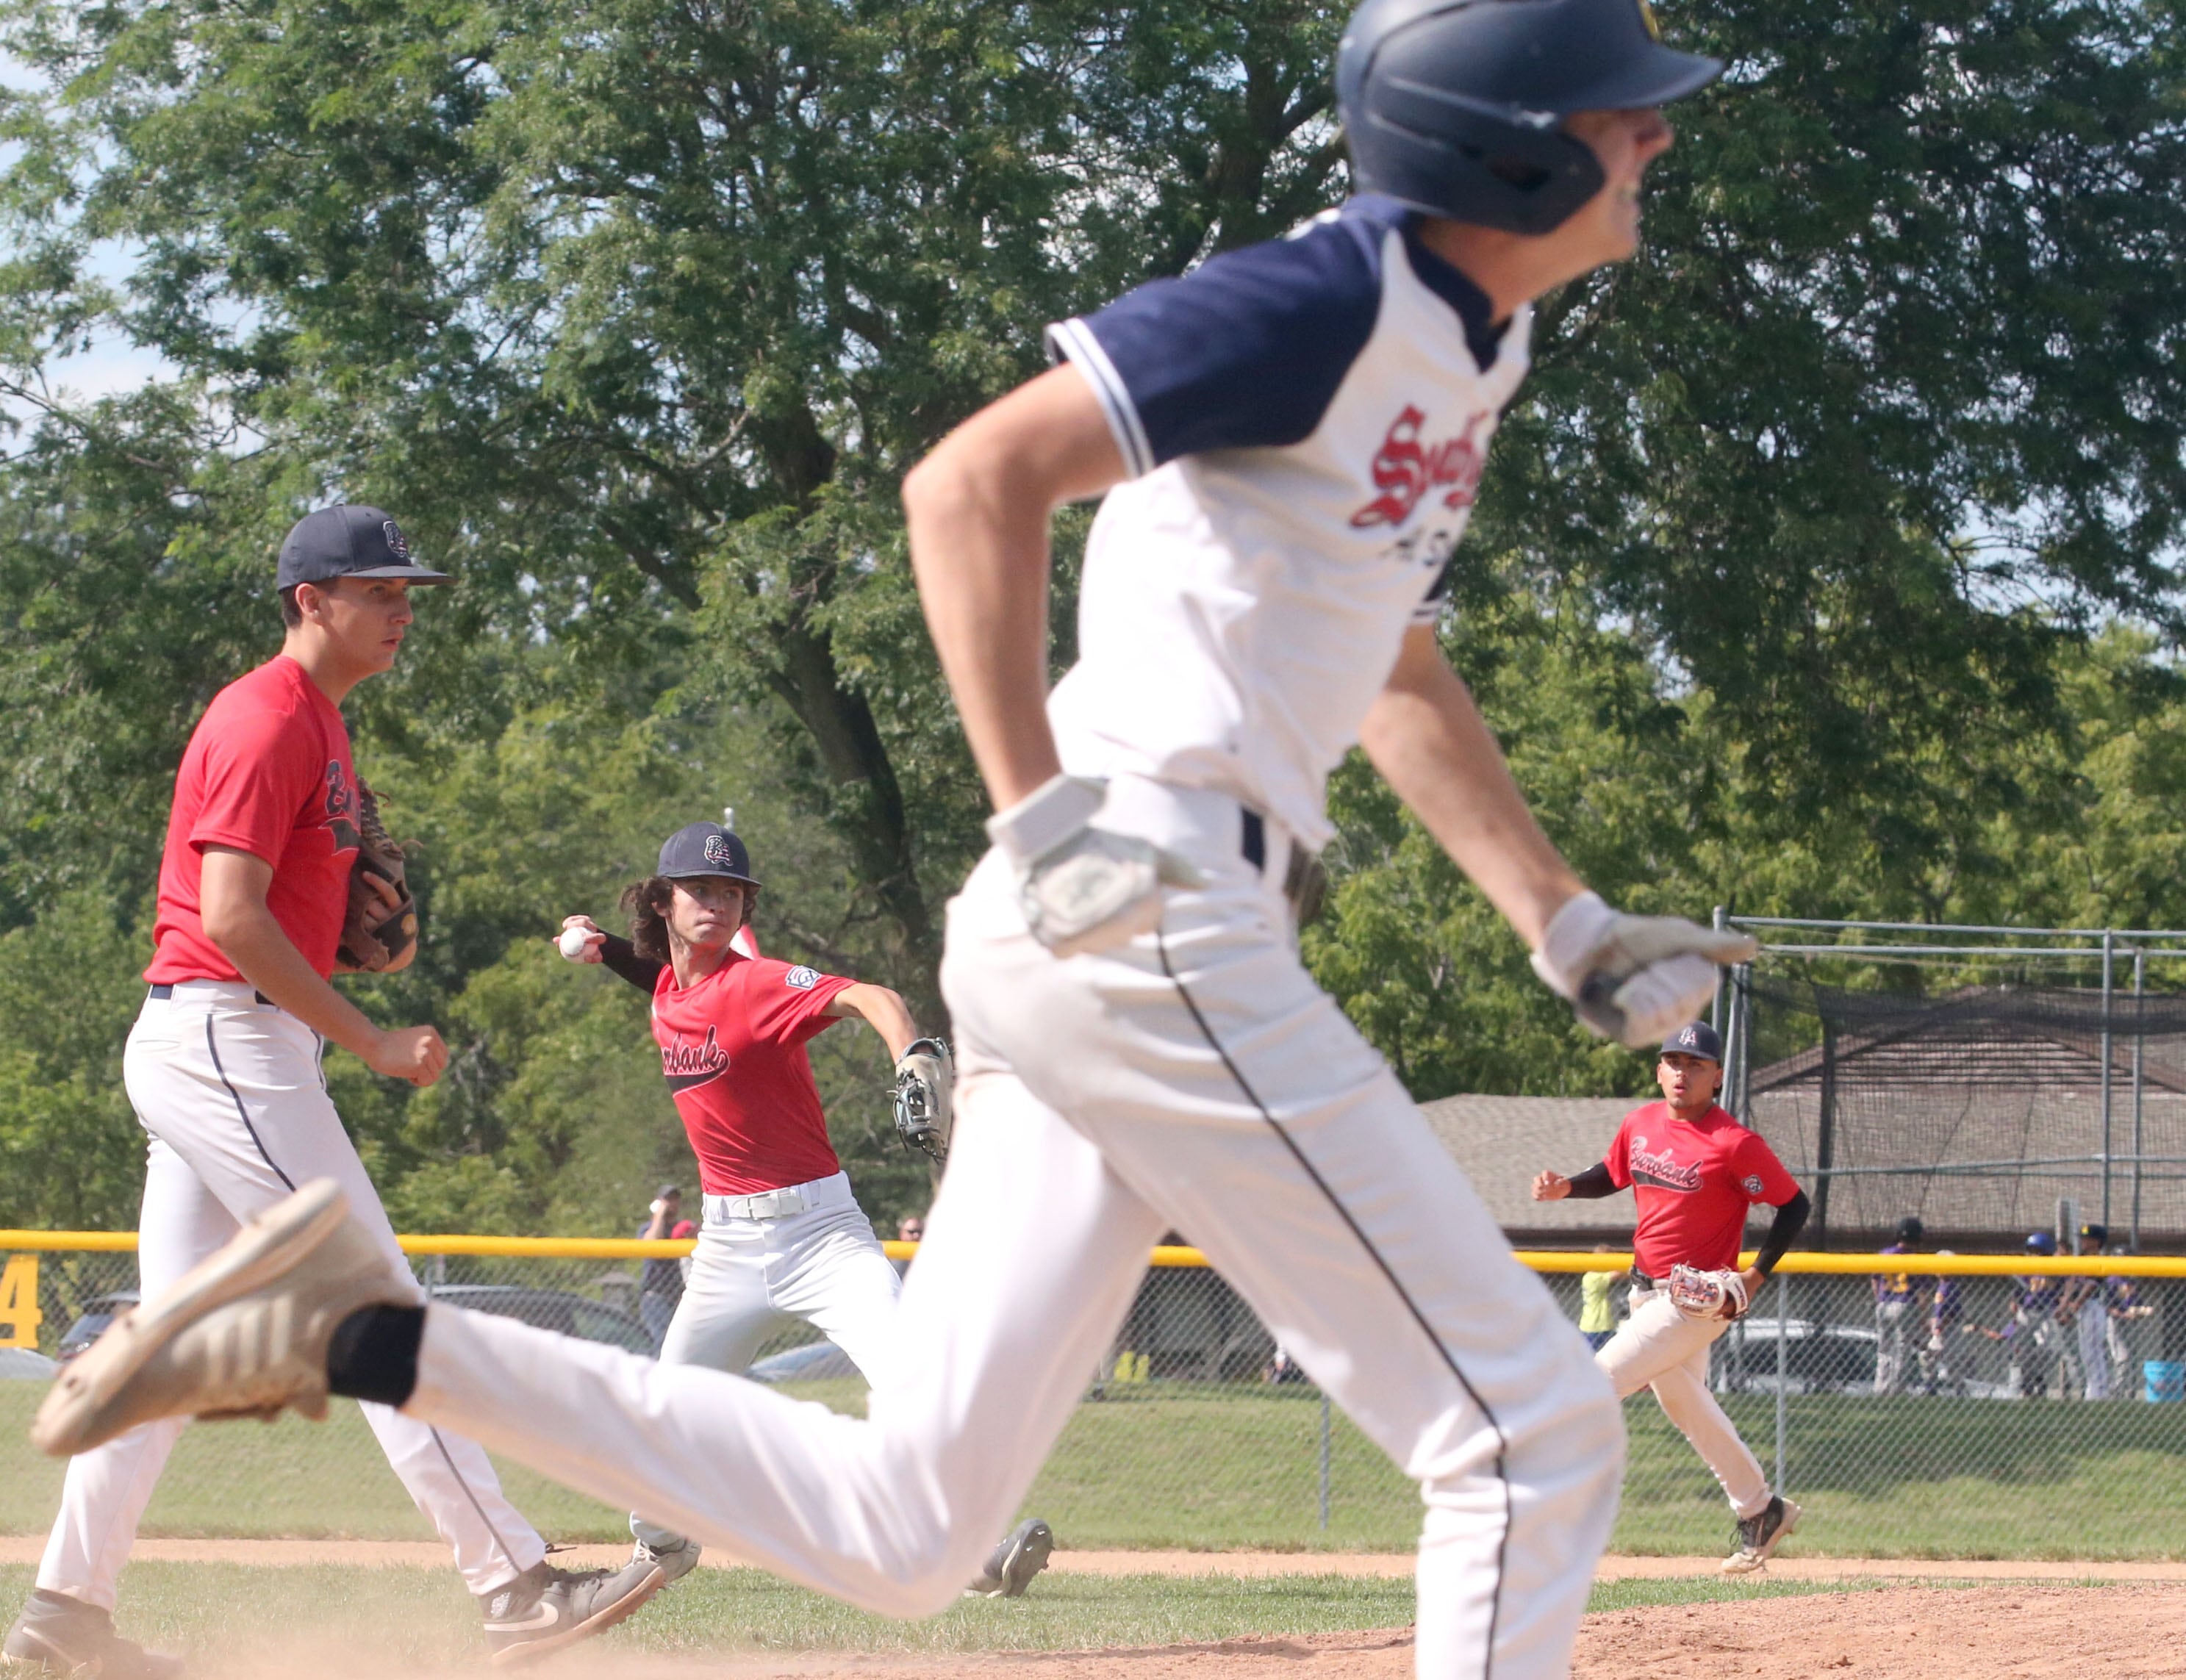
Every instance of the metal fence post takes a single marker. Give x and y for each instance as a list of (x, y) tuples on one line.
[(1783, 1371), (2109, 957), (2139, 1046), (1324, 1458)]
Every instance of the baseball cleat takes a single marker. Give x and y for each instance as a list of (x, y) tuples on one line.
[(1011, 1565), (546, 1608), (57, 1635), (676, 1558), (242, 1334), (1758, 1535)]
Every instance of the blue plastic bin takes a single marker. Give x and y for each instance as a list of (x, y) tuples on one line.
[(2163, 1379)]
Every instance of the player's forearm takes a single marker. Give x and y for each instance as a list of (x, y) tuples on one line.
[(977, 511), (1428, 740), (1790, 1218), (1592, 1185), (882, 1010), (263, 954)]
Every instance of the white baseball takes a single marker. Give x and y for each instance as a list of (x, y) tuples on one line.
[(575, 940)]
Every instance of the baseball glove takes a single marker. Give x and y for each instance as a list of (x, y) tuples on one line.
[(1707, 1295), (382, 924), (922, 1075)]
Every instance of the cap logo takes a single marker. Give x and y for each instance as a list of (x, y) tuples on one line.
[(396, 541), (717, 849), (1647, 17), (1688, 1037)]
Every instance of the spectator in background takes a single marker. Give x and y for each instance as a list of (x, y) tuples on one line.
[(2044, 1352), (2082, 1309), (1597, 1302), (1947, 1315), (1893, 1313), (911, 1228), (2125, 1311), (660, 1283)]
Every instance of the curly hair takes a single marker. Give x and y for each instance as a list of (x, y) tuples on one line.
[(646, 904)]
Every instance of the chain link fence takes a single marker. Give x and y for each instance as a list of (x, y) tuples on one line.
[(2015, 1433)]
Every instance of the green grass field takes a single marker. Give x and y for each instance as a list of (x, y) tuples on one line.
[(1172, 1467), (421, 1618)]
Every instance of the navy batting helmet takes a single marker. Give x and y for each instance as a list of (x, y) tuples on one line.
[(1456, 107)]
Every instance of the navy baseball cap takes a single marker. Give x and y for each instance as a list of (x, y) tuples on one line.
[(350, 541), (1697, 1039), (704, 848)]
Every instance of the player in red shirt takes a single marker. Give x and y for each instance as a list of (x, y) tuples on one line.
[(783, 1237), (1694, 1172), (223, 1069)]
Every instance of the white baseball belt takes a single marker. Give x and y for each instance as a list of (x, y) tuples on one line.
[(832, 1192)]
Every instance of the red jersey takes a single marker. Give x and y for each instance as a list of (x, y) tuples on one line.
[(267, 771), (732, 1050), (1693, 1180)]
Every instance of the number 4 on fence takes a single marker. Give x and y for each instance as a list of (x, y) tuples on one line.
[(20, 1317)]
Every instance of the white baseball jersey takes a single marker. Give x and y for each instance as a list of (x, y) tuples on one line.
[(1306, 422)]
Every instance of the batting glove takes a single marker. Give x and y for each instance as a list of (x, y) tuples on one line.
[(1083, 888), (1633, 978)]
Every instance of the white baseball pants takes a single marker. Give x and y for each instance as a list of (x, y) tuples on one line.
[(1194, 1078), (231, 1091), (749, 1277), (1659, 1347)]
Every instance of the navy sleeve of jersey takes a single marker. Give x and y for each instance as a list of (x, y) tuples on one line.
[(1245, 351)]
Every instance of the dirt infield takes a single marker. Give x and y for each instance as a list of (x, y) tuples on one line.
[(1970, 1633), (2013, 1621)]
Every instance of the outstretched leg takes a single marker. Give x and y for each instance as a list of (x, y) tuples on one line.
[(1032, 1251)]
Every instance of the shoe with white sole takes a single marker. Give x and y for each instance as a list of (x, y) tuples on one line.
[(1759, 1534), (242, 1334), (676, 1558), (546, 1608), (1012, 1565), (57, 1635)]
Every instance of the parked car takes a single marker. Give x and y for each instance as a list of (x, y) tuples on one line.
[(553, 1309), (811, 1363), (1819, 1359), (99, 1311), (27, 1364)]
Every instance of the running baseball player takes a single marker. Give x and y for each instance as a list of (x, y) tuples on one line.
[(1289, 439), (223, 1069), (1694, 1172), (783, 1238)]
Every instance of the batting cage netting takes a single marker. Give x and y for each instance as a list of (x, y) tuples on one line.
[(1990, 1112)]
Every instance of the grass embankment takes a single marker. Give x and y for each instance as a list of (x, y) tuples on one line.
[(1902, 1477)]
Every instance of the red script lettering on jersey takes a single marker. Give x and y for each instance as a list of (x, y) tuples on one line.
[(1405, 469)]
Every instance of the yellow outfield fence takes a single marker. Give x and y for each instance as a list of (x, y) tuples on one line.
[(1969, 1406), (1546, 1260)]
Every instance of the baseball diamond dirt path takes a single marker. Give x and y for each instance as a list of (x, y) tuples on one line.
[(1987, 1633)]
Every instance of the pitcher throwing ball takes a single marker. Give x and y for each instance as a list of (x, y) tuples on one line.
[(1289, 439), (1694, 1171), (783, 1240)]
